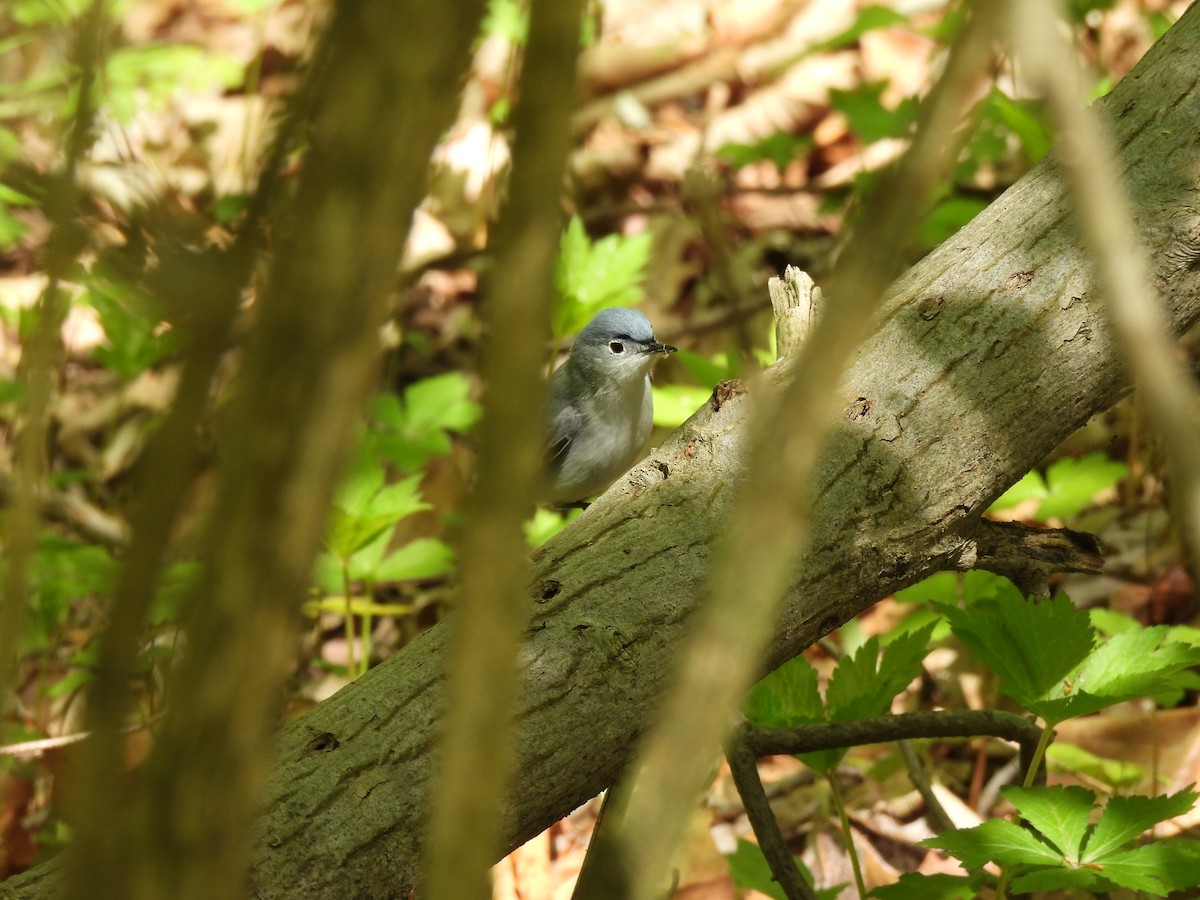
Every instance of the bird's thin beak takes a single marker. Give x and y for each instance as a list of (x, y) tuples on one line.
[(664, 349)]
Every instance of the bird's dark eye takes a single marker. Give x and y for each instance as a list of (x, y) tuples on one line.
[(616, 346)]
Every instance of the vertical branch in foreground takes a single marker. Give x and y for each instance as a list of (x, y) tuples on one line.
[(386, 91), (209, 284), (1106, 222), (481, 676), (42, 350), (786, 431)]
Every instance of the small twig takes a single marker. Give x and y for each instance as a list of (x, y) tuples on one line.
[(1027, 556), (762, 820), (85, 519), (937, 815), (966, 723), (35, 749)]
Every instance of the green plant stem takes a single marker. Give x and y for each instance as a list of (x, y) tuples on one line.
[(43, 350), (367, 625), (1039, 754), (835, 791), (348, 617)]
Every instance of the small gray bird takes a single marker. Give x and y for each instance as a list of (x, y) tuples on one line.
[(598, 409)]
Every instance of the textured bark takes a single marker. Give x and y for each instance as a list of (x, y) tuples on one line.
[(990, 352)]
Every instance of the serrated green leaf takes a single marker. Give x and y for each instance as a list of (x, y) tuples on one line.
[(1060, 813), (1061, 879), (593, 276), (912, 886), (440, 403), (1128, 665), (866, 683), (995, 840), (409, 431), (1073, 483), (1124, 818), (786, 697), (1174, 862), (1033, 647)]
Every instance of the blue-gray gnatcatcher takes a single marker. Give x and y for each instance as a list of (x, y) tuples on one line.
[(598, 409)]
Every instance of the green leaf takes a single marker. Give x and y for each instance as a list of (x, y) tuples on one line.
[(1073, 483), (751, 871), (546, 523), (866, 115), (674, 404), (150, 75), (1023, 119), (1031, 486), (995, 840), (1060, 813), (1132, 664), (866, 683), (1033, 647), (785, 698), (366, 509), (1061, 879), (870, 19), (417, 560), (709, 370), (779, 148), (133, 339), (1109, 622), (1174, 863), (409, 431), (946, 218), (1124, 818), (1062, 757), (1068, 488), (593, 276), (507, 19), (912, 886)]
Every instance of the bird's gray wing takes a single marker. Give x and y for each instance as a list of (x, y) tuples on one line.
[(561, 429)]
